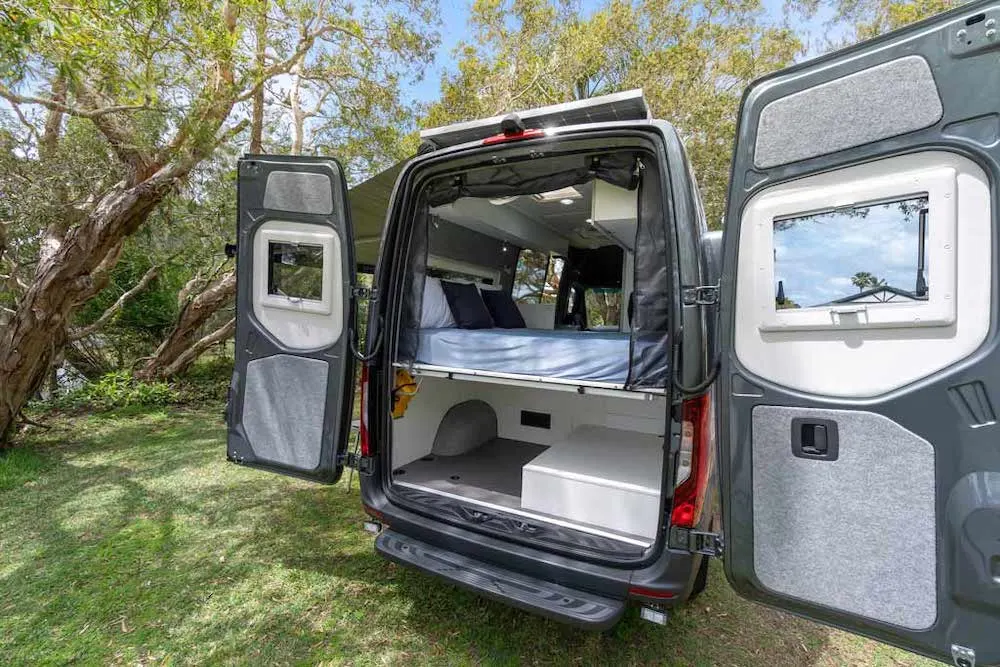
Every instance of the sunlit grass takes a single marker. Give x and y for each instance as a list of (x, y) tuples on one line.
[(126, 538)]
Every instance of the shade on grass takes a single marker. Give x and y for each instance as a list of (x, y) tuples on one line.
[(128, 539)]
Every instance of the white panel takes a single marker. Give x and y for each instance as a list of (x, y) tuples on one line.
[(299, 323), (859, 361), (413, 434), (601, 476)]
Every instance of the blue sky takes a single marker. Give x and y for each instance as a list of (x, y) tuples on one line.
[(454, 27)]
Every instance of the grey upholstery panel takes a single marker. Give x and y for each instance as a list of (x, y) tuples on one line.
[(283, 409), (299, 192), (856, 534), (894, 98), (465, 427)]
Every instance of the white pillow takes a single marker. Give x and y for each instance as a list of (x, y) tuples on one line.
[(434, 310)]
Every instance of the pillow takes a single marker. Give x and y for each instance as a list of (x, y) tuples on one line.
[(434, 310), (467, 305), (503, 310)]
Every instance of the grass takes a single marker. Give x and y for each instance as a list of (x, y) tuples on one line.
[(127, 539)]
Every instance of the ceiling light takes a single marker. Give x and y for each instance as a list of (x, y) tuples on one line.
[(557, 195), (565, 202)]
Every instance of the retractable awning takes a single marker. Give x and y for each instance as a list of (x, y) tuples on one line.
[(369, 203)]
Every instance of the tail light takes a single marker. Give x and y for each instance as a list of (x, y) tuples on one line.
[(693, 461), (366, 448)]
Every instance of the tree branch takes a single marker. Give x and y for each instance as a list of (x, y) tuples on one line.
[(199, 347), (69, 109), (116, 306)]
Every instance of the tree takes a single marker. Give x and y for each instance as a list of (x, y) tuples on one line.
[(864, 280), (162, 86), (865, 19), (692, 58)]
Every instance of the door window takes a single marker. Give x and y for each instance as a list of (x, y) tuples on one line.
[(536, 279)]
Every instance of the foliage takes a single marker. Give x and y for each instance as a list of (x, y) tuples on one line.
[(865, 19), (865, 280), (116, 390), (207, 381), (692, 58)]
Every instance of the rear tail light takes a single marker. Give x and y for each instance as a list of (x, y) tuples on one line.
[(693, 461), (366, 448)]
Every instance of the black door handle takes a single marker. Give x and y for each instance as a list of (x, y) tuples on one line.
[(816, 439)]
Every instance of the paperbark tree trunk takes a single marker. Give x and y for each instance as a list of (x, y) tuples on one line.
[(184, 336)]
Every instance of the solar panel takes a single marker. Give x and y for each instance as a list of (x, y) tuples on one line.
[(627, 105)]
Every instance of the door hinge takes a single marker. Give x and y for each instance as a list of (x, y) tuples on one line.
[(697, 541), (963, 656), (363, 293), (701, 295), (365, 465)]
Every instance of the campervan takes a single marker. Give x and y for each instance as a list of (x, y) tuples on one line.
[(573, 394)]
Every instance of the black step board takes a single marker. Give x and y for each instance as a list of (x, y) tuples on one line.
[(559, 603)]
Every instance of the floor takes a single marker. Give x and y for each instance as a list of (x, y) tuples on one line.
[(489, 473)]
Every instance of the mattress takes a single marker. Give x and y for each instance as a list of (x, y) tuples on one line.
[(595, 356)]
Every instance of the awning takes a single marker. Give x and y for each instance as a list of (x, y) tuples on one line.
[(369, 203)]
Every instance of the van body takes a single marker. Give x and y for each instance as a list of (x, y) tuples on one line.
[(564, 372)]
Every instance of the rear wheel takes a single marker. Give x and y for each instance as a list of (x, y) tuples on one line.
[(700, 579)]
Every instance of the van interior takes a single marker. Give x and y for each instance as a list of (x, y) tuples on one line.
[(532, 364)]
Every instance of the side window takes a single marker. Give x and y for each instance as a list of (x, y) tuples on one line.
[(536, 278), (604, 307), (873, 253), (295, 270)]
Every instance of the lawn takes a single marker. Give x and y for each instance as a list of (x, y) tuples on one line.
[(127, 539)]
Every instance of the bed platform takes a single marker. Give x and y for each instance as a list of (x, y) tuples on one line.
[(593, 362)]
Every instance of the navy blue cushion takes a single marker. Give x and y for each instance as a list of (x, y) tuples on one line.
[(502, 309), (467, 305)]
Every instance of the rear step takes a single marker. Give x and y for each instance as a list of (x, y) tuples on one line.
[(563, 604)]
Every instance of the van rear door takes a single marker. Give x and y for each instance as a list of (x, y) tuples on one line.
[(859, 459), (291, 396)]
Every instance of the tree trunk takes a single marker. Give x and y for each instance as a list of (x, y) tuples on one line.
[(192, 317), (257, 115), (63, 280)]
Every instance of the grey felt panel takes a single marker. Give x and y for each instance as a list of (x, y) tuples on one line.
[(491, 472), (894, 98), (299, 192), (283, 409), (856, 534)]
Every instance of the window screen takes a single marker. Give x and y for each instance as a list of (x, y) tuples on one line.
[(536, 279), (295, 270), (871, 253)]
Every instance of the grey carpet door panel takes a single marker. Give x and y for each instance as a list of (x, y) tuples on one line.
[(283, 409), (876, 103), (856, 534)]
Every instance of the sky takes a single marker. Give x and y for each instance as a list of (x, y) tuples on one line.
[(454, 27), (815, 271)]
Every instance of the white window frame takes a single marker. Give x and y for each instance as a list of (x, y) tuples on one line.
[(324, 240), (939, 184)]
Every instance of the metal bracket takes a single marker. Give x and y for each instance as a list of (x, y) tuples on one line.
[(962, 656), (697, 542), (701, 295), (365, 465), (363, 293)]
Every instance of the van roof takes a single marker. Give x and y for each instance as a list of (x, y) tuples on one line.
[(626, 105)]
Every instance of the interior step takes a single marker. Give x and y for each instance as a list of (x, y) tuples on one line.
[(547, 599)]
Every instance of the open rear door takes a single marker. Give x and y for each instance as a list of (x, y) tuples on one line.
[(861, 451), (292, 390)]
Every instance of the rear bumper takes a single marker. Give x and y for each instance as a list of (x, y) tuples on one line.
[(568, 605)]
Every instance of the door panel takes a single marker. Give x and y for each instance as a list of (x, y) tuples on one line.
[(860, 466), (292, 391)]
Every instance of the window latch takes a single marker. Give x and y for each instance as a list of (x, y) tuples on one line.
[(701, 295)]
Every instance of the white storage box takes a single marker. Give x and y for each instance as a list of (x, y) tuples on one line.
[(601, 476)]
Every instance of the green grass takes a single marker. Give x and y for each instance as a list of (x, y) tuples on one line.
[(127, 539)]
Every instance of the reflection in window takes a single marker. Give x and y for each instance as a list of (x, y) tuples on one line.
[(604, 307), (872, 253), (536, 278), (295, 270)]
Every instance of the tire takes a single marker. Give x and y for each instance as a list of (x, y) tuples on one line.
[(700, 579)]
